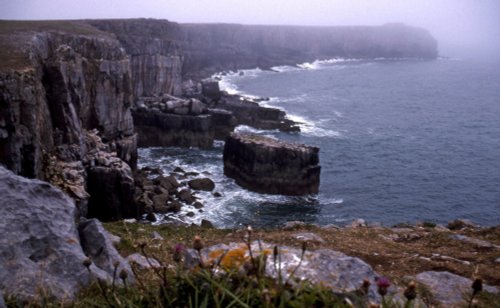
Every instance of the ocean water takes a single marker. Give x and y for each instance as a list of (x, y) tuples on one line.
[(400, 141)]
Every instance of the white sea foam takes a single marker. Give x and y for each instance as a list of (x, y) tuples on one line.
[(318, 64), (310, 128), (252, 130), (284, 68)]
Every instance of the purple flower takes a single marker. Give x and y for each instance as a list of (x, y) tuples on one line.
[(178, 251), (382, 285)]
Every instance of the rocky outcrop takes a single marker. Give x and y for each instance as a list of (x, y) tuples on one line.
[(449, 290), (40, 247), (267, 165), (249, 112), (331, 269), (60, 79), (164, 129), (98, 246)]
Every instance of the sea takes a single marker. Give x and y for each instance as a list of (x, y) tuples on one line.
[(401, 141)]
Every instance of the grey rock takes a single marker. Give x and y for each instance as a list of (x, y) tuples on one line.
[(358, 223), (476, 242), (198, 205), (497, 260), (38, 239), (449, 289), (206, 223), (185, 195), (97, 245), (331, 268), (202, 184), (142, 262), (210, 88), (272, 166), (309, 237), (459, 224), (293, 224), (157, 236), (197, 107), (217, 194)]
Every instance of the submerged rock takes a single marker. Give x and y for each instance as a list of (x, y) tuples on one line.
[(202, 184), (267, 165)]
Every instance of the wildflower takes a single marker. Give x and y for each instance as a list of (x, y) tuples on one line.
[(477, 286), (382, 285), (197, 243), (365, 287), (87, 263), (178, 251), (275, 254), (123, 274), (142, 245), (304, 246), (411, 292)]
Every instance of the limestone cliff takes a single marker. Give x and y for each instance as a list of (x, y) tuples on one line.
[(66, 86), (63, 80)]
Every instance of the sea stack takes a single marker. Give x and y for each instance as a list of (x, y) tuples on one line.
[(271, 166)]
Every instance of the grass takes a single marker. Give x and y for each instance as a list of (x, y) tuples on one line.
[(15, 36), (232, 280)]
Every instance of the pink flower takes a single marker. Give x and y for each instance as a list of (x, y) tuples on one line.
[(178, 251), (382, 285)]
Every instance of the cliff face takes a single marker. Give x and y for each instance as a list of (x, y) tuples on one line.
[(199, 50), (217, 47), (63, 83), (66, 86)]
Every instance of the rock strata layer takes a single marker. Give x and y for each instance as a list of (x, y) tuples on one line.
[(267, 165)]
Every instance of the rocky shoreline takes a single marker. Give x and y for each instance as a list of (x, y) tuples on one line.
[(78, 97)]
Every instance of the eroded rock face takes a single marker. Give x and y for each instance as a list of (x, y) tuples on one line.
[(271, 166), (39, 243)]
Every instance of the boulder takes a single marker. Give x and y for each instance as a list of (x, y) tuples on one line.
[(210, 88), (2, 302), (98, 245), (448, 289), (170, 183), (39, 239), (202, 184), (330, 268), (142, 262), (268, 165), (186, 196)]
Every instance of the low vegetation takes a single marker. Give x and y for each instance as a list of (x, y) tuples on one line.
[(234, 279)]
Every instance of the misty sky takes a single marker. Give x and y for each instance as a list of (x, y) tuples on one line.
[(462, 27)]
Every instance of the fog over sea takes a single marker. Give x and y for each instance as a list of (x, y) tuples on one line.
[(400, 141)]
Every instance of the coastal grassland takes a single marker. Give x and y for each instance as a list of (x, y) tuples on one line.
[(15, 37), (392, 252), (396, 253)]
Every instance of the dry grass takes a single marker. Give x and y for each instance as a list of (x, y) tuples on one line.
[(395, 253)]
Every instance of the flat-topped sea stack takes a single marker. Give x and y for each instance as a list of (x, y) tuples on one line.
[(271, 166)]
